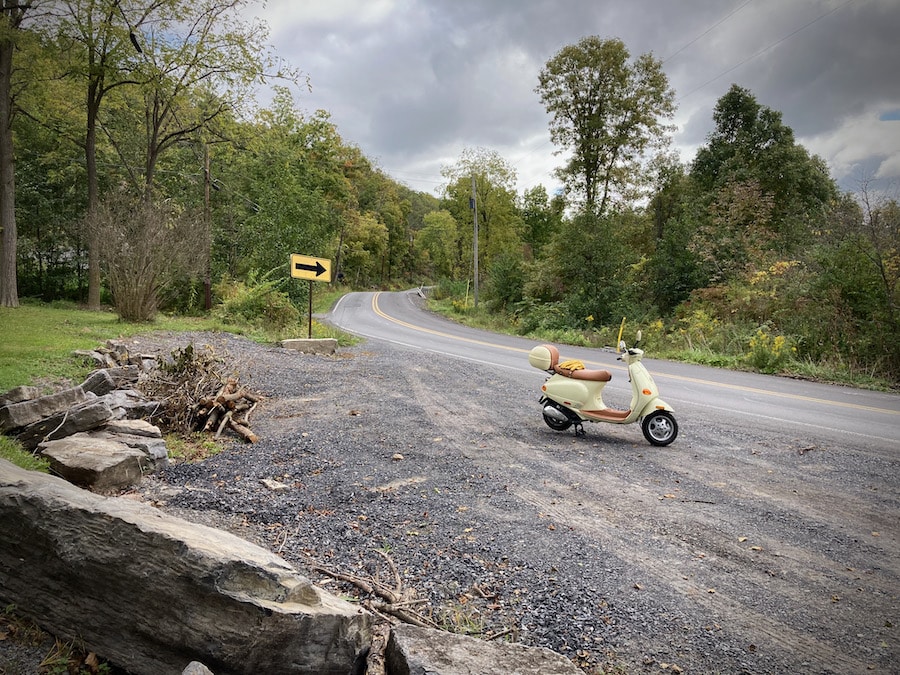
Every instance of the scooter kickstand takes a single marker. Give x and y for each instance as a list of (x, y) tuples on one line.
[(579, 429)]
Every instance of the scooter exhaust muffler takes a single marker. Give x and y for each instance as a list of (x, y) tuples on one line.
[(556, 413)]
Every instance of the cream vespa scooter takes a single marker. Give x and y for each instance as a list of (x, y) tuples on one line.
[(572, 394)]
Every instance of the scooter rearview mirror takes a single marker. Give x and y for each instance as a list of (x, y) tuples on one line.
[(621, 345), (638, 336)]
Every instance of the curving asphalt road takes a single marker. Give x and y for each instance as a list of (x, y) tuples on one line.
[(819, 412)]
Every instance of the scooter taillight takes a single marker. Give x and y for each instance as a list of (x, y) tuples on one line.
[(646, 392)]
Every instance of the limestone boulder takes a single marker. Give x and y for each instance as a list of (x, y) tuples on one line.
[(84, 417), (422, 651), (151, 592), (19, 394), (26, 412), (96, 462)]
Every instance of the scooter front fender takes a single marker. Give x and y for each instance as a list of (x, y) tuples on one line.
[(655, 404)]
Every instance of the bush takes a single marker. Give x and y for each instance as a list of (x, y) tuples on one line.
[(257, 303), (768, 353), (146, 248), (505, 282)]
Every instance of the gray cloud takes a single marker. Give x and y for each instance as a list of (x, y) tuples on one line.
[(414, 82)]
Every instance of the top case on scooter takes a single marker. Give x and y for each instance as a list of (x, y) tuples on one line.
[(543, 357)]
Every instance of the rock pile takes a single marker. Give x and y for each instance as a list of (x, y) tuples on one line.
[(94, 434)]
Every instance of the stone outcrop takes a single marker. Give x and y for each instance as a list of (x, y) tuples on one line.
[(423, 651), (26, 412), (152, 593)]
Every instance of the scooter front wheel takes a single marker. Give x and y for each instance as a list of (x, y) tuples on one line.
[(660, 427)]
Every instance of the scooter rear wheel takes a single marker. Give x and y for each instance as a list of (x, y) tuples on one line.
[(660, 427), (556, 424)]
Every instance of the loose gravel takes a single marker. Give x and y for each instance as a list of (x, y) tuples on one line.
[(734, 550)]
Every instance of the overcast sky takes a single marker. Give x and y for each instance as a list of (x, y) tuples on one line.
[(414, 82)]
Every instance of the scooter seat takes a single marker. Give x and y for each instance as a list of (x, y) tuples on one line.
[(578, 374), (584, 374)]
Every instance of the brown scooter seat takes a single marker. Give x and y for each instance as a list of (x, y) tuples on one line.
[(579, 373)]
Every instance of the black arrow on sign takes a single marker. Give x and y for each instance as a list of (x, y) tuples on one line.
[(318, 268)]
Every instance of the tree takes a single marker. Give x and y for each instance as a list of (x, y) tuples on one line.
[(751, 162), (607, 113), (170, 49), (499, 223), (50, 199), (541, 217), (858, 276), (438, 239), (97, 41), (10, 22)]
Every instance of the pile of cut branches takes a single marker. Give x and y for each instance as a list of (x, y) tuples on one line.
[(196, 396)]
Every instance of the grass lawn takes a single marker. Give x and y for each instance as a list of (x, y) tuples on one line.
[(37, 341)]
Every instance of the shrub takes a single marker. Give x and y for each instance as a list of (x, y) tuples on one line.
[(258, 303), (768, 353), (146, 248)]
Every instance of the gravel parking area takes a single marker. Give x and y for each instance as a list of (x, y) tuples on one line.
[(737, 549)]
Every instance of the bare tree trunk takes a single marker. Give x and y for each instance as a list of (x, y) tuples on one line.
[(93, 300), (9, 291)]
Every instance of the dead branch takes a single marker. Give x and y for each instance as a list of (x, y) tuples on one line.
[(375, 662)]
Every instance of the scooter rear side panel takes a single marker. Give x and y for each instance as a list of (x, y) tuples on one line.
[(574, 394)]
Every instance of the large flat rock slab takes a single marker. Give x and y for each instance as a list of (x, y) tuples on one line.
[(97, 463), (151, 592)]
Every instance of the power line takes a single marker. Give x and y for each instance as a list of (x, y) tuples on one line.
[(765, 49), (717, 23)]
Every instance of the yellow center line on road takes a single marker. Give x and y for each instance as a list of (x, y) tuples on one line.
[(681, 378)]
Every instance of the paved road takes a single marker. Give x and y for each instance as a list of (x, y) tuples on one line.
[(820, 412)]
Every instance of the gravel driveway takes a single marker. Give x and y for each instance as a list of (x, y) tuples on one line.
[(736, 550)]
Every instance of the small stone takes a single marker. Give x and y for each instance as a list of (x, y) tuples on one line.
[(274, 485)]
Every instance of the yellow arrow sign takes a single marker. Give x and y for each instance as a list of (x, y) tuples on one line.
[(314, 269)]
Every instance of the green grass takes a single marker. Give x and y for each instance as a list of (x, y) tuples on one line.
[(12, 451), (37, 341)]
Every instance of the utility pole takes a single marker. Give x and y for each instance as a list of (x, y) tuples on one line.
[(474, 204), (207, 234)]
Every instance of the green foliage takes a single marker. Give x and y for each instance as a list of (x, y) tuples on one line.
[(505, 281), (587, 259), (540, 217), (12, 451), (499, 223), (438, 239), (541, 317), (765, 192), (256, 302)]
